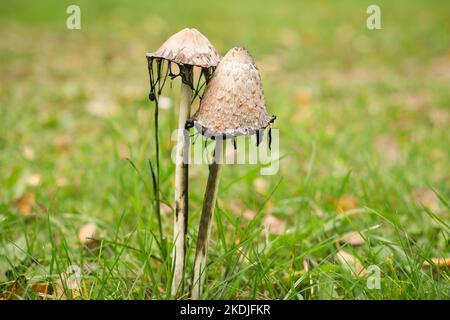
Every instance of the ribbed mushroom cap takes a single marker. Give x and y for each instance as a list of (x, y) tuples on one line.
[(190, 47), (233, 102)]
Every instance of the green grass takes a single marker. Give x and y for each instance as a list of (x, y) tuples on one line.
[(363, 116)]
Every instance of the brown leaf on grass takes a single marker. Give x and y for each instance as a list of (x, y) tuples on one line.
[(123, 150), (302, 97), (34, 180), (44, 289), (28, 153), (87, 235), (24, 203), (351, 263), (15, 290), (102, 107), (62, 182), (418, 100), (346, 203), (249, 214), (439, 262), (260, 185), (427, 198), (237, 207), (63, 142), (439, 117), (387, 148), (353, 238), (274, 224), (269, 207)]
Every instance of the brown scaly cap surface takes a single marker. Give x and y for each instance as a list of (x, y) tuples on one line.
[(233, 103), (190, 47)]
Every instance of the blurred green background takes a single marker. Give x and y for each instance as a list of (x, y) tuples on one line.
[(363, 118)]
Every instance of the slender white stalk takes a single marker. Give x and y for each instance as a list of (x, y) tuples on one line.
[(209, 202), (181, 187)]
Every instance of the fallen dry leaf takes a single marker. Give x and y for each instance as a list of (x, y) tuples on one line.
[(63, 142), (62, 181), (351, 263), (15, 290), (440, 262), (387, 148), (274, 224), (44, 289), (427, 198), (260, 185), (417, 100), (34, 180), (302, 97), (237, 207), (25, 203), (102, 107), (346, 203), (439, 117), (269, 207), (28, 153), (249, 214), (353, 238), (123, 150), (87, 235)]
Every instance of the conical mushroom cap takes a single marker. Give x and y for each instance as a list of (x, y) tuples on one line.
[(190, 47), (233, 102)]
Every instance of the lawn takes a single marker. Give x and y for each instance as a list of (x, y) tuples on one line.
[(363, 188)]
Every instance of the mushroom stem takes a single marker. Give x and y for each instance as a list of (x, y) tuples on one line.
[(181, 183), (209, 202)]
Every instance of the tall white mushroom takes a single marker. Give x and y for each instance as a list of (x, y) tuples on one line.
[(187, 48), (232, 105)]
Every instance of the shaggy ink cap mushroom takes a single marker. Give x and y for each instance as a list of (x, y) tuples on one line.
[(187, 47), (233, 102), (232, 105), (190, 47)]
